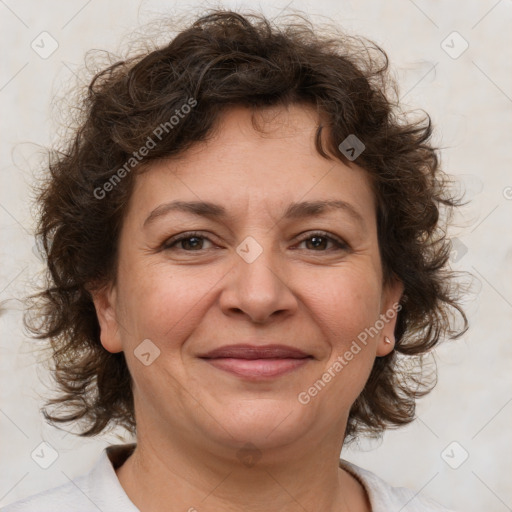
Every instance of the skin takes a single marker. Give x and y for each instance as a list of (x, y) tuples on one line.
[(193, 419)]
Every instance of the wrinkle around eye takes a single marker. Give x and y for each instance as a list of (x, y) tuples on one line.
[(334, 244)]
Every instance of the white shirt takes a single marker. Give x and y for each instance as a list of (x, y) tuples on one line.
[(100, 490)]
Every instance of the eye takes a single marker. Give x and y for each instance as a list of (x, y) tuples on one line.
[(320, 240), (190, 242)]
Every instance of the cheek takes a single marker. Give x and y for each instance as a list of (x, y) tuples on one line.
[(163, 307), (162, 303), (347, 304)]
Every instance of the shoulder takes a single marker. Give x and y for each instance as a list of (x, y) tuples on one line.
[(72, 497), (97, 490), (65, 497), (384, 497)]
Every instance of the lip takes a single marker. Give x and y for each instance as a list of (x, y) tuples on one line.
[(254, 362), (246, 351)]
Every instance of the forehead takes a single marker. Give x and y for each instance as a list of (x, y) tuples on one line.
[(255, 161)]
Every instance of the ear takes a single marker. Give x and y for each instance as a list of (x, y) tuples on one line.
[(105, 304), (390, 307)]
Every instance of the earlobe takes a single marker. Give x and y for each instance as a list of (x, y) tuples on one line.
[(391, 311), (104, 301), (386, 346)]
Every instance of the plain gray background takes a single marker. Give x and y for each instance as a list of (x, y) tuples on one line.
[(458, 451)]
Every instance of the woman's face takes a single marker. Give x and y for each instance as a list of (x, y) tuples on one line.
[(260, 266)]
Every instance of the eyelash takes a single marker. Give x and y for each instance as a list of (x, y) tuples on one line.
[(169, 244)]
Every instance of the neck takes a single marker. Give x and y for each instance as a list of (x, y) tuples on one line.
[(168, 473)]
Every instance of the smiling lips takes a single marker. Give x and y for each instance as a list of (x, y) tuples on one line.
[(257, 362)]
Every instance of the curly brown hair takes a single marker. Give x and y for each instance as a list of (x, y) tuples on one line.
[(223, 59)]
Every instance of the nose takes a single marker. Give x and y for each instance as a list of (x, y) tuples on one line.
[(258, 289)]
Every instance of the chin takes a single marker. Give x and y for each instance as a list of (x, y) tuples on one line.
[(263, 422)]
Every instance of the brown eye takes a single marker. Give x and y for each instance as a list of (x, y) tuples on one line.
[(319, 242), (189, 242), (192, 243)]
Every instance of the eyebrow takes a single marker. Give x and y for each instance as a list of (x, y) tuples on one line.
[(216, 212)]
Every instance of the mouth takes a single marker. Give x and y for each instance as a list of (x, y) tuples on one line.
[(253, 362)]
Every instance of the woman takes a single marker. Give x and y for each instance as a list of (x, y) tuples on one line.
[(246, 256)]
